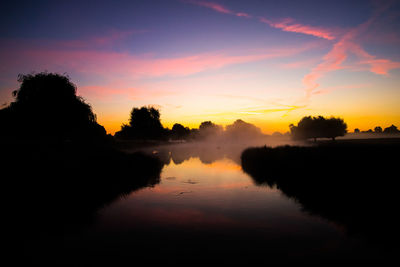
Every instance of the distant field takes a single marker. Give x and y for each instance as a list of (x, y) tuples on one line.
[(390, 139), (369, 136)]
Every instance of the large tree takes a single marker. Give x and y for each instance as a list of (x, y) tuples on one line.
[(179, 132), (144, 124), (242, 130), (209, 129), (391, 129), (46, 106), (318, 127)]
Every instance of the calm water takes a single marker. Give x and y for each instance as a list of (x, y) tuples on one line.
[(206, 208)]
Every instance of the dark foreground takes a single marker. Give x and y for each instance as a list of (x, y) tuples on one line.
[(353, 183), (55, 189), (345, 210)]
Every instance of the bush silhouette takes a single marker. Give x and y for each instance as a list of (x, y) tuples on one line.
[(46, 106), (144, 124), (318, 127)]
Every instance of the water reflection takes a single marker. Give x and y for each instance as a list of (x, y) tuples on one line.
[(203, 208), (207, 209), (206, 152), (202, 212)]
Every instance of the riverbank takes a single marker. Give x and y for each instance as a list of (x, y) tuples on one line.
[(352, 183)]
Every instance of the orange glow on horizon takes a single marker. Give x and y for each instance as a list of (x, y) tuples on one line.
[(362, 122)]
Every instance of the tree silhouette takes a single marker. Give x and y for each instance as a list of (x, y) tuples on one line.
[(46, 106), (378, 129), (356, 130), (144, 124), (208, 128), (391, 129), (333, 127), (240, 129), (179, 132), (318, 127)]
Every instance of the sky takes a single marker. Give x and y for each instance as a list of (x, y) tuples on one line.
[(266, 62)]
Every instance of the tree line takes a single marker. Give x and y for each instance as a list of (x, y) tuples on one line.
[(378, 129), (145, 124), (46, 107)]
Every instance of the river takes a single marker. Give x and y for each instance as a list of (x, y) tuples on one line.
[(206, 209)]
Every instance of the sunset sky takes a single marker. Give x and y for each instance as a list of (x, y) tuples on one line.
[(266, 62)]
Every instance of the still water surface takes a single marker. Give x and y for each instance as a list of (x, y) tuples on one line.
[(206, 208)]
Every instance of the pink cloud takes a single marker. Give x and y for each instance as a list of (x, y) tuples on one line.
[(340, 51), (123, 89), (376, 65), (329, 89), (284, 24), (242, 14), (102, 91), (198, 63), (299, 64), (106, 62), (97, 41), (382, 66), (211, 5), (183, 66), (288, 25), (331, 61), (217, 7), (123, 75)]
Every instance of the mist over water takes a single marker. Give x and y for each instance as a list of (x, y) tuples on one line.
[(204, 207), (207, 208), (212, 148)]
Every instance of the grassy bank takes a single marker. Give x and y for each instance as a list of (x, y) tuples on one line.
[(351, 182)]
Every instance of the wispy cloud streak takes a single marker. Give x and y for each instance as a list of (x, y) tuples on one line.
[(288, 25), (341, 50), (104, 62), (217, 7), (212, 5)]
